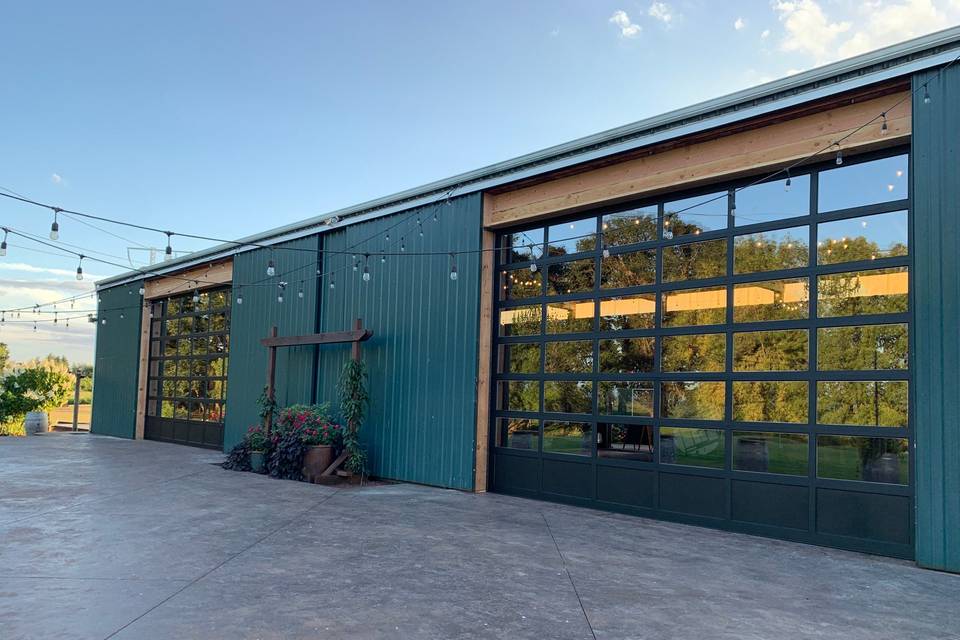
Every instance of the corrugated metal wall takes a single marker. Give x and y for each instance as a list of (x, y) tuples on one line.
[(117, 362), (422, 359), (936, 282), (252, 320)]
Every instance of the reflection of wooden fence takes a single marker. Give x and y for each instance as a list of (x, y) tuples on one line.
[(64, 414)]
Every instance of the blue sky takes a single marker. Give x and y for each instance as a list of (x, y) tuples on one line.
[(229, 117)]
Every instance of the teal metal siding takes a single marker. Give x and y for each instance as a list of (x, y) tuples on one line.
[(117, 362), (422, 358), (252, 320), (936, 353)]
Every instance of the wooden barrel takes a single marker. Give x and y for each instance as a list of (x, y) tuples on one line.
[(36, 422)]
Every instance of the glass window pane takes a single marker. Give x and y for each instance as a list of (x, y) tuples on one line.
[(870, 347), (567, 437), (629, 227), (166, 409), (695, 261), (626, 355), (572, 237), (518, 395), (771, 350), (695, 215), (771, 250), (217, 367), (863, 292), (173, 306), (692, 400), (570, 317), (773, 201), (864, 459), (690, 307), (693, 352), (520, 321), (771, 300), (518, 284), (569, 356), (868, 403), (618, 398), (632, 269), (523, 246), (568, 396), (629, 312), (771, 452), (169, 368), (575, 276), (518, 433), (770, 401), (854, 185), (625, 441), (519, 358), (173, 327), (866, 238), (219, 299), (692, 447)]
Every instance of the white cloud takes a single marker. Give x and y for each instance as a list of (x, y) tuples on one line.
[(23, 267), (765, 34), (739, 24), (56, 178), (627, 28), (870, 24), (663, 12)]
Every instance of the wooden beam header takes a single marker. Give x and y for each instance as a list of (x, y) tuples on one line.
[(206, 277), (333, 337)]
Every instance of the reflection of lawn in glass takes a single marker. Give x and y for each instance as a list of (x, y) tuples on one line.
[(566, 444), (785, 456), (838, 463)]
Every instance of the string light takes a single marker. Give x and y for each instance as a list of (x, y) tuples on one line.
[(103, 321), (271, 269), (403, 247), (80, 268), (3, 245), (926, 94), (141, 291), (300, 291), (383, 258), (533, 267), (168, 252), (786, 185), (388, 237), (332, 284), (239, 295), (883, 125), (839, 159), (606, 251), (55, 227), (121, 315), (366, 267), (453, 267), (196, 295), (281, 286)]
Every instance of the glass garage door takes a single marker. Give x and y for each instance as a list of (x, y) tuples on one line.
[(736, 358), (187, 384)]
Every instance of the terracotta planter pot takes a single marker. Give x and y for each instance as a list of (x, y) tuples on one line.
[(316, 460)]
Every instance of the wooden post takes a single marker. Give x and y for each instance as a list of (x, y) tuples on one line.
[(271, 380), (76, 399), (355, 348)]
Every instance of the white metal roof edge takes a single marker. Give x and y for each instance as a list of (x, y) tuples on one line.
[(598, 145)]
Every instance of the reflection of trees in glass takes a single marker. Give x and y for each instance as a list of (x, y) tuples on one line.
[(693, 352), (870, 403), (569, 356), (572, 237), (629, 312), (699, 400), (629, 227), (522, 283), (520, 395), (569, 317), (571, 277), (695, 260), (520, 321), (525, 245), (694, 447), (763, 252), (520, 358), (870, 347), (843, 249), (633, 269), (771, 300), (770, 350), (568, 396), (768, 401), (519, 433), (626, 398), (567, 437), (694, 307), (862, 292), (630, 355)]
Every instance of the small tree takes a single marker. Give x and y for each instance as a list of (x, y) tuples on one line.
[(35, 388), (353, 405)]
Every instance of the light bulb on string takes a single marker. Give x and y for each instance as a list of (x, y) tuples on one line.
[(300, 291), (403, 246), (80, 268), (383, 258), (281, 287), (883, 125), (786, 185), (271, 269), (453, 267), (168, 252), (103, 321), (196, 294), (926, 95), (55, 227), (839, 159), (387, 237), (239, 296), (420, 227), (3, 245), (356, 266), (366, 267), (121, 315), (141, 291), (533, 267), (332, 283), (606, 251)]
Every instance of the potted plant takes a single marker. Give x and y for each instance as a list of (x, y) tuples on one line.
[(257, 444), (319, 435)]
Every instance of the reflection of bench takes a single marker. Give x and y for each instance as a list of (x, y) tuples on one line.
[(634, 435), (523, 439)]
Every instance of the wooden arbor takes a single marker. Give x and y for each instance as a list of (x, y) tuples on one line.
[(273, 342)]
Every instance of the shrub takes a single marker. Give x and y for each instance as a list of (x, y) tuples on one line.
[(38, 387), (256, 439), (286, 455), (239, 457), (13, 428)]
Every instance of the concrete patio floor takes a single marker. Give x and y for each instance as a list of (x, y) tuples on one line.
[(108, 538)]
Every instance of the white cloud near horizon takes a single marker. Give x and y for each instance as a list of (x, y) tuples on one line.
[(23, 267), (663, 12), (628, 29)]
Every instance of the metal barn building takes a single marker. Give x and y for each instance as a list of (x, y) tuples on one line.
[(743, 315)]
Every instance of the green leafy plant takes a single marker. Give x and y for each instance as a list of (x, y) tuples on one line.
[(268, 409), (286, 455), (257, 439), (354, 401), (40, 386), (239, 457)]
